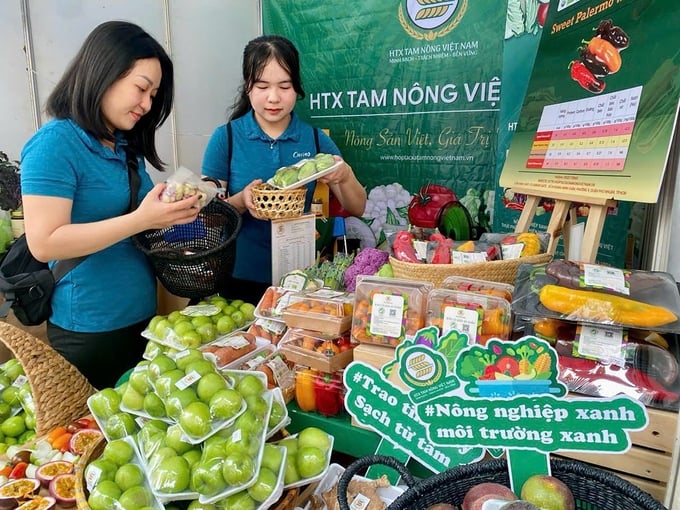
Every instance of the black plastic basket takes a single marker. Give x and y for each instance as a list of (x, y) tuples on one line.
[(593, 488), (192, 260)]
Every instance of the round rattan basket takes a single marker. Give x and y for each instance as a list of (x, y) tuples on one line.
[(195, 259), (59, 390), (593, 489), (503, 271), (273, 203)]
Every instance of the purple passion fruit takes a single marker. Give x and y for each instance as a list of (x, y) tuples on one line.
[(15, 491), (49, 470), (38, 503), (84, 439), (63, 489)]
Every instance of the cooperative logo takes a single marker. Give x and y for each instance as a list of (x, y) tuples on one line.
[(430, 19)]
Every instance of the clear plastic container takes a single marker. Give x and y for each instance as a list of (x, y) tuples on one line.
[(327, 353), (324, 310), (319, 392), (504, 290)]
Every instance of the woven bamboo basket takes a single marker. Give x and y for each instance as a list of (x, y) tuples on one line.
[(503, 271), (59, 390), (273, 203)]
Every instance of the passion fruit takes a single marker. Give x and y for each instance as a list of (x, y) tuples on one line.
[(63, 489), (83, 439), (49, 470), (38, 503), (15, 491)]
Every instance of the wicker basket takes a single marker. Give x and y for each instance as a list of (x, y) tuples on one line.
[(503, 271), (195, 259), (59, 390), (272, 203), (593, 488)]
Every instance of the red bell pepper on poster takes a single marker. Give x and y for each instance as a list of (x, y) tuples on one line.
[(425, 206), (328, 394)]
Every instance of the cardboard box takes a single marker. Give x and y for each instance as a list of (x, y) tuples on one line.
[(374, 355)]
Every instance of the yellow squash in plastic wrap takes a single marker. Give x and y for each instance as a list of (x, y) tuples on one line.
[(600, 307)]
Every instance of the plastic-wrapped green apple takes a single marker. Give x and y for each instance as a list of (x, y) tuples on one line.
[(10, 395), (154, 406), (30, 421), (6, 410), (215, 447), (264, 485), (173, 439), (105, 403), (159, 365), (101, 469), (104, 495), (151, 435), (166, 382), (238, 468), (225, 403), (13, 427), (192, 456), (118, 451), (12, 368), (217, 300), (290, 474), (190, 339), (4, 380), (183, 358), (154, 322), (207, 478), (314, 436), (210, 384), (250, 422), (291, 446), (201, 319), (229, 309), (172, 475), (132, 399), (178, 400), (120, 425), (201, 367), (136, 497), (195, 419), (236, 303), (129, 475), (239, 501), (159, 455), (238, 317), (225, 324), (196, 505), (277, 414), (208, 332), (139, 379), (182, 326), (152, 350), (175, 316), (272, 456), (257, 404), (248, 310), (310, 461), (162, 328), (250, 384), (239, 442)]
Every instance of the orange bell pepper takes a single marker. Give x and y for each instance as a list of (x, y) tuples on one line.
[(304, 389)]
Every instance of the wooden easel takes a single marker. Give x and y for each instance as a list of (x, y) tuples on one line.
[(563, 204)]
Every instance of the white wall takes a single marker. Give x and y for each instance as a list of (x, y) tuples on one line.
[(204, 37)]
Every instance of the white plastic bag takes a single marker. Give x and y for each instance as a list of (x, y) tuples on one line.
[(184, 183)]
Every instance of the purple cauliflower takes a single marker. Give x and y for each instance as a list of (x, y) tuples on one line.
[(367, 262)]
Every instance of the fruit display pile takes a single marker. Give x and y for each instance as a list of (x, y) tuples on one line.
[(17, 412)]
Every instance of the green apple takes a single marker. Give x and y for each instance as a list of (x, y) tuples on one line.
[(154, 322), (236, 303), (173, 439), (162, 328), (264, 485), (314, 436), (152, 350), (171, 475), (277, 413), (225, 324), (166, 383), (129, 475), (225, 403), (200, 320), (291, 446), (250, 384), (105, 403), (13, 426), (193, 456), (139, 379), (6, 410), (183, 326), (251, 423), (196, 505), (272, 456), (178, 400), (210, 384), (191, 339), (239, 318), (104, 495), (101, 469), (239, 501), (132, 399), (187, 356), (214, 447), (161, 453), (154, 406), (10, 395), (310, 461), (208, 332), (120, 425), (151, 435), (118, 451), (239, 442), (201, 367), (290, 474), (248, 311), (207, 478), (175, 316), (258, 405), (229, 309), (238, 468), (195, 419), (159, 365), (136, 497)]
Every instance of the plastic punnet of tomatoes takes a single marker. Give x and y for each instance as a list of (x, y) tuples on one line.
[(479, 316), (328, 353), (318, 391), (326, 311), (504, 290)]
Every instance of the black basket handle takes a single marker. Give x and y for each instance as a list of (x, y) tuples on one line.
[(363, 462)]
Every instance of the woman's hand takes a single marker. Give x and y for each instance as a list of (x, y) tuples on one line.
[(247, 197), (339, 175), (346, 188), (154, 213)]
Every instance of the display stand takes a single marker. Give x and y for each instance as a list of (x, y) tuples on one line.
[(563, 204)]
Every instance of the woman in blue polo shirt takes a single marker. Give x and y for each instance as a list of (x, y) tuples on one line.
[(76, 196), (266, 135)]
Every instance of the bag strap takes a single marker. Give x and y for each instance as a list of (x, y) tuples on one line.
[(62, 267)]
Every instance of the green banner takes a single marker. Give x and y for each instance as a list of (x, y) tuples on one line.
[(409, 90)]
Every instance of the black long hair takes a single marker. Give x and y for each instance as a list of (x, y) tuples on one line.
[(256, 55), (107, 55)]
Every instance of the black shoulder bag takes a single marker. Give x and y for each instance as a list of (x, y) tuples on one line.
[(28, 284)]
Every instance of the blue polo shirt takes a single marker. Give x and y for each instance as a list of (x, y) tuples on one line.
[(112, 288), (256, 155)]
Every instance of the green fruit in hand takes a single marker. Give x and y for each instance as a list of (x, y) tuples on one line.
[(313, 436), (171, 475), (310, 461), (264, 485), (307, 169), (272, 456), (118, 451), (250, 384), (129, 475), (104, 495), (225, 403), (105, 403), (178, 400), (238, 468), (195, 419), (210, 384)]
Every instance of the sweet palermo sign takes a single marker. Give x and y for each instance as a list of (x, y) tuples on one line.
[(446, 403)]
